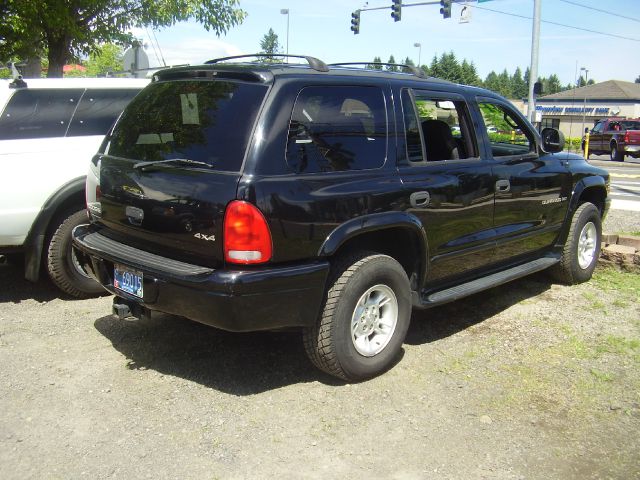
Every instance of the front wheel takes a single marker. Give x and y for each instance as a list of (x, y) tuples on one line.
[(582, 248), (63, 266), (364, 319)]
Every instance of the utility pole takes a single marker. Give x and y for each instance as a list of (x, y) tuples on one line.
[(533, 69)]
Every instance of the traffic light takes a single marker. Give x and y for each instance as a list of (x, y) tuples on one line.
[(355, 22), (445, 9), (396, 10)]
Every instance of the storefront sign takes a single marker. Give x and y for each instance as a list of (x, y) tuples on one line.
[(594, 111)]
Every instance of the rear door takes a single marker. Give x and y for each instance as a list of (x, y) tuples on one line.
[(447, 184), (172, 164), (531, 190)]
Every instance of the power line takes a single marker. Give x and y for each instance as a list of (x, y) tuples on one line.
[(601, 11), (559, 24)]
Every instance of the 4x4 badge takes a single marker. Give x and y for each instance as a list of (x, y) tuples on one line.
[(202, 236)]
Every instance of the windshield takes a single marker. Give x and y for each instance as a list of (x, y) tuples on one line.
[(203, 121)]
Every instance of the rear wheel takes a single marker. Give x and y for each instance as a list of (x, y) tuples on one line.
[(582, 248), (63, 266), (616, 154), (364, 319)]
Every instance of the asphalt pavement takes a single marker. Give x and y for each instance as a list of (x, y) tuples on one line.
[(625, 181)]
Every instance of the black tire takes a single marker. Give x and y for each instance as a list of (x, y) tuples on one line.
[(330, 343), (64, 270), (575, 265), (616, 154)]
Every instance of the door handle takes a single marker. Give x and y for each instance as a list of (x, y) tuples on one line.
[(503, 186), (419, 199)]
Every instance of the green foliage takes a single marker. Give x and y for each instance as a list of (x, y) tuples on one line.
[(107, 59), (392, 68), (376, 60), (66, 30), (269, 44)]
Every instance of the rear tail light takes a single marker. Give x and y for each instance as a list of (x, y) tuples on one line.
[(247, 239), (626, 137)]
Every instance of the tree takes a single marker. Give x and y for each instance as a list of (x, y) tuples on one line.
[(469, 74), (638, 79), (552, 85), (392, 68), (378, 61), (107, 59), (269, 44), (65, 30), (449, 68), (518, 85)]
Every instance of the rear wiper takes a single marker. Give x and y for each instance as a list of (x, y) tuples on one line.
[(172, 160)]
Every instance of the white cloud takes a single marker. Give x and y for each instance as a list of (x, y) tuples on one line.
[(197, 50)]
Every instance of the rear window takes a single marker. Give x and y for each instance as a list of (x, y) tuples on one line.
[(38, 113), (205, 121)]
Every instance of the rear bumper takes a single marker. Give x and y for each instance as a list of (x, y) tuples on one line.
[(632, 149), (235, 300)]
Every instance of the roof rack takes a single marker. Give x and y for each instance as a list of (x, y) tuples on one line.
[(314, 63), (418, 72)]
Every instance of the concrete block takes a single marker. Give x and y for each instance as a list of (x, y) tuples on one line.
[(608, 239), (620, 254), (629, 241)]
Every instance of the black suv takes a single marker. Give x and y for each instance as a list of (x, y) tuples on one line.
[(330, 198)]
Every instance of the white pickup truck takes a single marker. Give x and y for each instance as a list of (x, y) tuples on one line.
[(49, 130)]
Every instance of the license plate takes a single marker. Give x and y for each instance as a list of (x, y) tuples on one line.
[(128, 280)]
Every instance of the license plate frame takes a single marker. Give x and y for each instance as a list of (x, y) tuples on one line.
[(128, 280)]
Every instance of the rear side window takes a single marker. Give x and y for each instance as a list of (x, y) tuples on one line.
[(38, 113), (337, 128), (206, 121), (98, 109)]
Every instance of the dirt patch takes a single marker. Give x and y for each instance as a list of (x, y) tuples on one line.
[(530, 380)]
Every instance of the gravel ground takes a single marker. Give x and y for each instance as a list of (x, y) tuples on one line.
[(528, 381), (621, 221)]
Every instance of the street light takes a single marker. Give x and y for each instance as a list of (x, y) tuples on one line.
[(418, 45), (285, 11), (584, 105)]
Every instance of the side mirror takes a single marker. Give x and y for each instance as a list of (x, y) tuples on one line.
[(552, 140)]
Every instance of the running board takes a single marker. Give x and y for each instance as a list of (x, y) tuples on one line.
[(490, 281)]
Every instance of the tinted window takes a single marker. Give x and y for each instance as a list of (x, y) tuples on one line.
[(336, 129), (507, 133), (630, 125), (38, 113), (443, 123), (98, 109), (204, 121), (412, 129)]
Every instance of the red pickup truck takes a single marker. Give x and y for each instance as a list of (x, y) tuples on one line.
[(618, 137)]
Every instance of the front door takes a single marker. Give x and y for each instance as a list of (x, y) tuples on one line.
[(532, 191)]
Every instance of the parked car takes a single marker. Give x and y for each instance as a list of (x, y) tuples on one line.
[(49, 130), (615, 136), (331, 199)]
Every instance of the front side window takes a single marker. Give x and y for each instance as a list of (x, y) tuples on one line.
[(204, 121), (507, 134), (439, 124), (337, 129), (38, 113), (98, 109)]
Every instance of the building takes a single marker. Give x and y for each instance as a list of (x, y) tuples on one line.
[(573, 110)]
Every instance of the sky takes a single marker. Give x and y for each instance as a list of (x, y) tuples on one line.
[(493, 41)]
